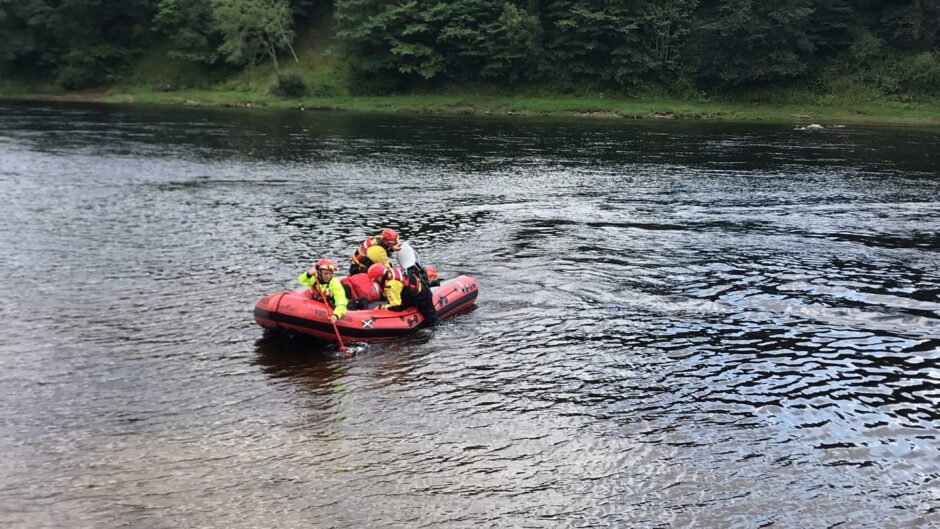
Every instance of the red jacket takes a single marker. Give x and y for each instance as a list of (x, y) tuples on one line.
[(360, 286)]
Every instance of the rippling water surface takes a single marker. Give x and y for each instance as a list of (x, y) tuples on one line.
[(679, 324)]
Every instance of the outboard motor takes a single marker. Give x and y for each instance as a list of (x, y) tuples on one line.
[(408, 259)]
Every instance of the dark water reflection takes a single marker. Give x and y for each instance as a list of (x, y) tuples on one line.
[(679, 325)]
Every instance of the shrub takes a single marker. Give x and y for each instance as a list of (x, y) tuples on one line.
[(920, 73), (865, 52), (371, 84), (325, 88), (289, 85)]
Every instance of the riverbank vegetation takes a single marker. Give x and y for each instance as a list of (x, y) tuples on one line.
[(780, 60)]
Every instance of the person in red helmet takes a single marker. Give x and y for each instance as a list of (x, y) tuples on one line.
[(376, 272), (362, 290), (324, 285), (375, 249), (403, 290)]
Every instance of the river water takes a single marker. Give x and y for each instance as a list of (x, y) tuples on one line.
[(679, 324)]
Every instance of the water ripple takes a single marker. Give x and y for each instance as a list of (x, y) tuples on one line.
[(680, 324)]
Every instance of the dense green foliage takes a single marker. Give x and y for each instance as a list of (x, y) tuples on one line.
[(187, 25), (252, 29), (679, 46)]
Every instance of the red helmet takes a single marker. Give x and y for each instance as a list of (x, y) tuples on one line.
[(376, 271), (325, 264), (389, 235)]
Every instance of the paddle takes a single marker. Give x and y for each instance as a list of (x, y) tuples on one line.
[(329, 311)]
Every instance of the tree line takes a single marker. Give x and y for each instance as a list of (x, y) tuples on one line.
[(568, 45)]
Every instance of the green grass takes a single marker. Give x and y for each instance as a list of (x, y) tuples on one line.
[(255, 94), (252, 88)]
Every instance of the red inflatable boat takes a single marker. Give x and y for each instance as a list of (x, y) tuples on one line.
[(294, 310)]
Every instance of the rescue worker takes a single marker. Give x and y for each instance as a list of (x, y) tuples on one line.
[(361, 290), (323, 284), (376, 249), (403, 290)]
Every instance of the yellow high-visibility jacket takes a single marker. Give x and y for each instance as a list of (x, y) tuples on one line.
[(396, 281), (371, 251), (334, 292)]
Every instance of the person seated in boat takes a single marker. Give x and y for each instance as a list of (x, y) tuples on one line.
[(375, 249), (324, 285), (403, 290), (361, 290)]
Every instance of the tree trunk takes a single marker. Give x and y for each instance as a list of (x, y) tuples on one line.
[(291, 48)]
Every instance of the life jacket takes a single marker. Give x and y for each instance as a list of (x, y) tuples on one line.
[(321, 291), (408, 281), (360, 286), (360, 257)]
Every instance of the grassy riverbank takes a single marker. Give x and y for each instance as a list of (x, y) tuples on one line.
[(816, 109), (158, 81)]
